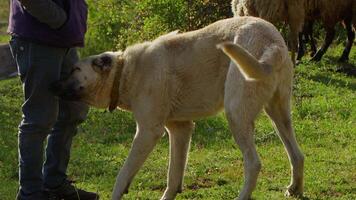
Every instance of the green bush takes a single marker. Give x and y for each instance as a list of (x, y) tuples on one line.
[(146, 19), (115, 24), (204, 12), (104, 22)]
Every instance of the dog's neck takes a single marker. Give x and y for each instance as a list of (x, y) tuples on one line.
[(114, 95)]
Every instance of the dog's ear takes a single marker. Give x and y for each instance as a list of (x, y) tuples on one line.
[(104, 63)]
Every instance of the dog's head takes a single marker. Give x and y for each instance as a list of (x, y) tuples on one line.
[(91, 79)]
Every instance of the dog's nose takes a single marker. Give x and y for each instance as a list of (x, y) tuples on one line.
[(66, 90)]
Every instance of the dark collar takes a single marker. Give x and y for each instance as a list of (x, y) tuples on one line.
[(114, 96)]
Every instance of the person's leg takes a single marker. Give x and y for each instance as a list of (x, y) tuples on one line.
[(71, 114), (38, 66)]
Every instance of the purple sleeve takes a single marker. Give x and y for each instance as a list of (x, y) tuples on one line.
[(45, 11)]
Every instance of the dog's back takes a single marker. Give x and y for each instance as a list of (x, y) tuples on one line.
[(189, 72), (197, 69)]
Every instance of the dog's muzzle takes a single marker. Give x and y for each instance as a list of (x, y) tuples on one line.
[(70, 92)]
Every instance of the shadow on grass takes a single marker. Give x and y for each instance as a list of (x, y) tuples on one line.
[(327, 80), (334, 82), (332, 64), (347, 68), (304, 198)]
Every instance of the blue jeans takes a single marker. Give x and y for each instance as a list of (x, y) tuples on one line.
[(44, 115)]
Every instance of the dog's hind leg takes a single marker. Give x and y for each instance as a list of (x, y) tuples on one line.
[(278, 110), (145, 139), (242, 124), (241, 110), (179, 140)]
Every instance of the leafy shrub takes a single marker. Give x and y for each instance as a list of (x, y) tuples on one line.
[(104, 22), (204, 12), (115, 24), (151, 18)]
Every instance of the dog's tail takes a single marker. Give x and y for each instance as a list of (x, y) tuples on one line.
[(249, 66)]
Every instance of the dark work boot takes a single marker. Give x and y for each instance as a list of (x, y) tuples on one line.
[(36, 196), (67, 191)]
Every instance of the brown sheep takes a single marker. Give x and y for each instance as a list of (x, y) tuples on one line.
[(275, 11), (294, 12), (330, 12)]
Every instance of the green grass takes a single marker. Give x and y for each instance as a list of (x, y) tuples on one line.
[(324, 116), (4, 38), (4, 7), (4, 14)]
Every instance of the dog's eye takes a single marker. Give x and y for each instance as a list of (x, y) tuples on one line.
[(97, 62)]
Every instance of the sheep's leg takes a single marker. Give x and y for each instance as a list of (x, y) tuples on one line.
[(350, 39), (293, 38), (311, 40), (330, 33), (294, 45), (301, 46), (309, 37), (306, 36), (296, 20)]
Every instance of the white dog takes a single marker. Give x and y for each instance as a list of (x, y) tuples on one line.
[(169, 82)]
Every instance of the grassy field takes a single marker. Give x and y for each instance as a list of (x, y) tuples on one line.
[(324, 115)]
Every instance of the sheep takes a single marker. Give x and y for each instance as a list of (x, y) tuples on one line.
[(290, 11), (296, 12), (329, 12)]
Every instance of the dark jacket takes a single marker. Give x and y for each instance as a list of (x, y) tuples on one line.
[(60, 23)]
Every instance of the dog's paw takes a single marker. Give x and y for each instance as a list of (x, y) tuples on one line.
[(170, 195), (167, 198), (242, 198), (294, 191)]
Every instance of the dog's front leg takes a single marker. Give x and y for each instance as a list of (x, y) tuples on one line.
[(179, 139), (145, 139)]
